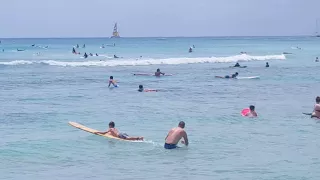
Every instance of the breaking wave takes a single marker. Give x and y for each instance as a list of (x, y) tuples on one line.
[(144, 62)]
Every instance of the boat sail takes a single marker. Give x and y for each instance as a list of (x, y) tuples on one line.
[(115, 33), (317, 29)]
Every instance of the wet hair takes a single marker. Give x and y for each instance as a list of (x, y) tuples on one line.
[(182, 124), (318, 99), (251, 108), (111, 77), (111, 124), (158, 70), (236, 73), (140, 86)]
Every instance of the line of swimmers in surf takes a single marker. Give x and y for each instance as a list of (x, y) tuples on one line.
[(238, 65), (158, 73), (177, 133), (173, 137)]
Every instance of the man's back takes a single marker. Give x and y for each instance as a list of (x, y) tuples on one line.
[(175, 135)]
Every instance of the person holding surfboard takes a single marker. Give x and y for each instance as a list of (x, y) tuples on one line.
[(114, 132), (316, 110), (175, 135), (113, 82), (158, 73)]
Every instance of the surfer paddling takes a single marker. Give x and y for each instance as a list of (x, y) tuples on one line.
[(141, 89), (175, 135), (114, 132)]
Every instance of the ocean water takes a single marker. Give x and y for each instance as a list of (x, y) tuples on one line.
[(42, 89)]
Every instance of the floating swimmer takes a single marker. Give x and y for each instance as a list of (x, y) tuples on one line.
[(141, 89), (115, 132), (249, 112), (77, 45), (158, 73), (97, 54), (114, 56), (85, 55), (317, 60), (267, 64), (175, 135), (113, 82), (190, 50), (84, 46), (91, 54)]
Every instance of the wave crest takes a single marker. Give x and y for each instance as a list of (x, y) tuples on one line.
[(144, 62)]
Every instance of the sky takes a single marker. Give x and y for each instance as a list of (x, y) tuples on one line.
[(154, 18)]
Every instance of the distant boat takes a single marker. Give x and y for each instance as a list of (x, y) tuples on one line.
[(115, 33), (317, 29)]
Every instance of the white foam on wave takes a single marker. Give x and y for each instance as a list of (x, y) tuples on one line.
[(144, 62)]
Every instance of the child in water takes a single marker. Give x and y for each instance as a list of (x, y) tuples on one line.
[(113, 82), (252, 112)]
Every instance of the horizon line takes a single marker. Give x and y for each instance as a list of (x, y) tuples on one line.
[(124, 37)]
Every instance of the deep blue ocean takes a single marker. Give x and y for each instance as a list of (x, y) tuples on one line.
[(43, 86)]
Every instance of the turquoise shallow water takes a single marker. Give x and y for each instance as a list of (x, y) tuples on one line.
[(40, 94)]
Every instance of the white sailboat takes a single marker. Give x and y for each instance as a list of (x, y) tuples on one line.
[(115, 33)]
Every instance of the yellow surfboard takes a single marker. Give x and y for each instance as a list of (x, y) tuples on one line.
[(84, 128)]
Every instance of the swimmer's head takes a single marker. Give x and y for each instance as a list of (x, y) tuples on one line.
[(251, 108), (182, 124), (111, 77), (111, 124), (158, 70), (318, 99), (140, 88)]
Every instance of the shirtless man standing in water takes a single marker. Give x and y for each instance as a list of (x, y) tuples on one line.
[(175, 135)]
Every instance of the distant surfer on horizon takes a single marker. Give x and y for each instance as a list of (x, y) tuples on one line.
[(158, 73), (175, 135), (115, 133)]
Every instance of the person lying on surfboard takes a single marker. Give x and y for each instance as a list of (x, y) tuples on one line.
[(175, 135), (141, 89), (158, 73), (232, 76), (237, 65), (316, 110), (114, 132), (252, 112), (113, 82)]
